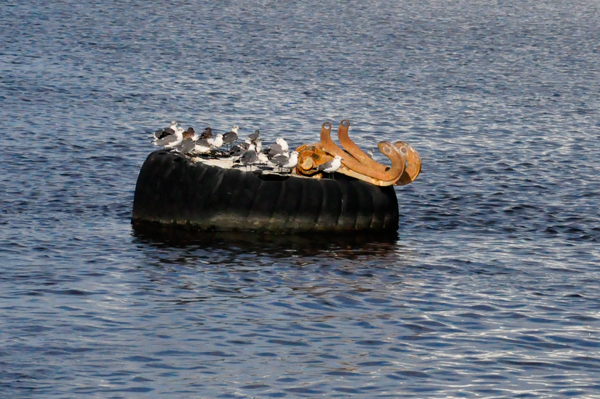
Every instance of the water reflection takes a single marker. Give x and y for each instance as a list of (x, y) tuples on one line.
[(320, 272), (344, 246)]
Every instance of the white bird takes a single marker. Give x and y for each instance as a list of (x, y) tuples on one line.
[(178, 135), (176, 127), (191, 134), (241, 150), (207, 133), (331, 166), (262, 157), (282, 143), (202, 146), (279, 160), (254, 135), (177, 141), (232, 136), (187, 146), (258, 143), (189, 141), (285, 162), (169, 137), (249, 156), (292, 161), (216, 142), (164, 136), (277, 149)]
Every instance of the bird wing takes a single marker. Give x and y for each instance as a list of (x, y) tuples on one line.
[(187, 146), (274, 149), (229, 137), (165, 140), (324, 166)]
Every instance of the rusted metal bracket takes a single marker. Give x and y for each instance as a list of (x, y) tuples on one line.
[(413, 163), (406, 163)]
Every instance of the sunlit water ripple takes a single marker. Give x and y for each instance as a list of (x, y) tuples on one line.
[(489, 289)]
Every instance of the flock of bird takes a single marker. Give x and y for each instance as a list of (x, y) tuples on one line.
[(250, 152)]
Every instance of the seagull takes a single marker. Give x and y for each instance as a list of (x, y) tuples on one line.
[(176, 127), (258, 143), (239, 149), (186, 146), (249, 156), (282, 143), (207, 133), (262, 157), (217, 142), (178, 135), (176, 142), (190, 133), (254, 135), (285, 162), (274, 150), (188, 141), (232, 136), (161, 133), (293, 161), (331, 166), (169, 137), (202, 146), (281, 148), (277, 149), (164, 136), (280, 160)]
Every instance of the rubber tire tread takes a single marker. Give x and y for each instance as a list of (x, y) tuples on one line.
[(172, 190)]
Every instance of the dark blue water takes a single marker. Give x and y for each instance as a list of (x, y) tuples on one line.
[(491, 288)]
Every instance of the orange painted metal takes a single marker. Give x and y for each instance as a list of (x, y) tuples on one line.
[(413, 163), (405, 161)]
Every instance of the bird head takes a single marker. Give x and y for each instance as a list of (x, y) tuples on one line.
[(190, 133)]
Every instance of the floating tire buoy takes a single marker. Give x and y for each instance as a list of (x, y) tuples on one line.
[(173, 190)]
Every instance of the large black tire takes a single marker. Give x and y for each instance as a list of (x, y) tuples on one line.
[(172, 190)]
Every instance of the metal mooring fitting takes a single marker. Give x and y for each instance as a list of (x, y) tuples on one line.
[(406, 163), (413, 163)]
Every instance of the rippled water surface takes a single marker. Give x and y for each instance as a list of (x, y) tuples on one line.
[(489, 289)]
